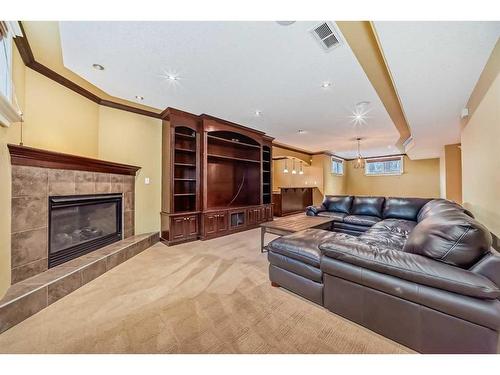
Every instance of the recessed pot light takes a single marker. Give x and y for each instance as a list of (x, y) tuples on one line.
[(325, 85), (138, 97), (97, 66), (285, 23), (258, 113), (172, 77), (301, 131)]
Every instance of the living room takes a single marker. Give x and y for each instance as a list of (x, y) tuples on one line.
[(237, 187)]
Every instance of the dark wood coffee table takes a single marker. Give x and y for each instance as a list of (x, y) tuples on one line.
[(292, 224)]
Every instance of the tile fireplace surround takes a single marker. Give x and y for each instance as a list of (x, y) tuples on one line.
[(36, 175), (31, 187)]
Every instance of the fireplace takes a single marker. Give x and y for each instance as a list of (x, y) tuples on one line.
[(79, 224)]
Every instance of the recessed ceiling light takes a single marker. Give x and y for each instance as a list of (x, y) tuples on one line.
[(325, 85), (97, 66), (301, 131), (258, 113), (363, 104), (172, 77), (285, 23), (138, 97)]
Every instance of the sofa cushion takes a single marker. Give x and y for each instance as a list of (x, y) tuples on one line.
[(403, 208), (295, 266), (407, 266), (451, 237), (364, 220), (369, 206), (336, 216), (301, 245), (390, 233), (338, 203)]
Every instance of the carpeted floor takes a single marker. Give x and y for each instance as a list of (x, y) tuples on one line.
[(200, 297)]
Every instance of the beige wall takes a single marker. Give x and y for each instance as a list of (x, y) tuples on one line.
[(480, 160), (5, 186), (420, 179), (317, 174), (59, 119), (453, 172), (134, 139)]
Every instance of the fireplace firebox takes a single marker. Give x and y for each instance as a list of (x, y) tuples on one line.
[(79, 224)]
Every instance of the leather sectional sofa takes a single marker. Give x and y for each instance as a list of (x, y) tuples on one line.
[(421, 272)]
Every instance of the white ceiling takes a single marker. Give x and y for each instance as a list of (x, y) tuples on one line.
[(232, 69), (435, 66)]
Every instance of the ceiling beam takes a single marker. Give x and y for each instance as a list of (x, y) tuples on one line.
[(363, 40)]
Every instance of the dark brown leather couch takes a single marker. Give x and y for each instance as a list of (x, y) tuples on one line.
[(423, 273)]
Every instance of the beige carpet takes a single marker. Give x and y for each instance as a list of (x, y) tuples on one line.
[(200, 297)]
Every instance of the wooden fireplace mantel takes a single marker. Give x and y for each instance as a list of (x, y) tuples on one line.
[(34, 157)]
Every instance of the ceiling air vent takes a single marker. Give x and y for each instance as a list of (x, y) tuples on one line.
[(327, 36)]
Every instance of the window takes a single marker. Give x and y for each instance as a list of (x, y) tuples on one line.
[(383, 167), (337, 166), (8, 113), (5, 64)]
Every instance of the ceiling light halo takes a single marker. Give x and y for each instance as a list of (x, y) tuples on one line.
[(326, 85)]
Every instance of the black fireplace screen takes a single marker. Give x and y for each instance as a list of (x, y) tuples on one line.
[(81, 224)]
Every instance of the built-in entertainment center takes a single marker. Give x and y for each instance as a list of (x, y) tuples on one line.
[(216, 177)]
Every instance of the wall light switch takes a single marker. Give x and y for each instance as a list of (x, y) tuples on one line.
[(146, 181)]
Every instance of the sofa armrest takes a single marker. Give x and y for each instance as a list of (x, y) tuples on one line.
[(411, 267), (314, 210)]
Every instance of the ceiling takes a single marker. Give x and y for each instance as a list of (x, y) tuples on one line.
[(435, 66), (232, 69)]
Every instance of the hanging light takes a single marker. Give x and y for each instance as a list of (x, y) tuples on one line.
[(360, 162), (293, 170), (301, 171), (286, 167)]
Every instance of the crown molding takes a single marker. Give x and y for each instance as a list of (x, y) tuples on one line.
[(28, 58)]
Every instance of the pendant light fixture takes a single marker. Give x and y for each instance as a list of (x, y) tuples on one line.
[(286, 167), (293, 170), (301, 171), (360, 162)]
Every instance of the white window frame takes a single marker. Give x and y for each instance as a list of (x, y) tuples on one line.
[(338, 160), (8, 113), (381, 159)]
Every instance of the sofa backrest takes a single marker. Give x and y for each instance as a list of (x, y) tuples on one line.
[(338, 203), (439, 206), (371, 206), (450, 236), (403, 208)]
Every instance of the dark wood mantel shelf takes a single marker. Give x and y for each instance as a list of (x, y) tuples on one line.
[(34, 157)]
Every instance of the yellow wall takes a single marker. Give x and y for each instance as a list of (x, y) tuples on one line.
[(134, 139), (59, 119), (480, 160), (420, 179), (317, 174), (5, 186), (453, 172)]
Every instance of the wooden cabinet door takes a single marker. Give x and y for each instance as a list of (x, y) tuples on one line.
[(177, 228), (269, 212), (263, 214), (221, 219), (209, 224), (191, 226), (251, 216)]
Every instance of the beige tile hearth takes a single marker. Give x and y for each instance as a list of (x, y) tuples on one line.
[(200, 297), (57, 282)]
